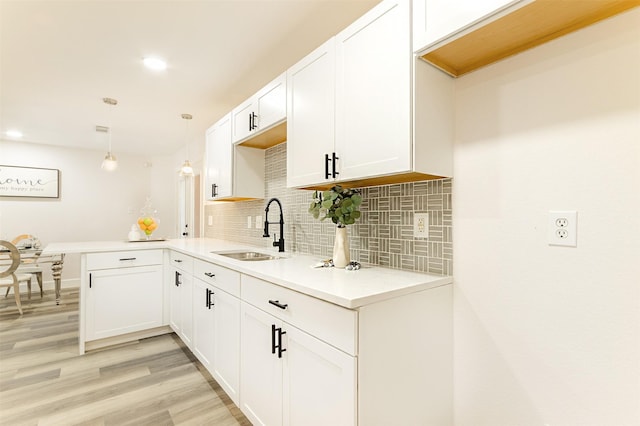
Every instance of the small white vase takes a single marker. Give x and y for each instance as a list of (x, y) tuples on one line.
[(341, 248)]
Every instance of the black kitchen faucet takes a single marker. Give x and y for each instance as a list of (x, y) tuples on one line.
[(280, 242)]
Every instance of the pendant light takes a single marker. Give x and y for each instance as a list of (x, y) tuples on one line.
[(109, 163), (186, 169)]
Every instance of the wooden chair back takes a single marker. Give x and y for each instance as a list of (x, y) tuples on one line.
[(9, 255)]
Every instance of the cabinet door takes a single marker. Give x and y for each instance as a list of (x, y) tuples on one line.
[(186, 312), (434, 20), (243, 122), (123, 300), (310, 116), (203, 323), (175, 305), (271, 103), (180, 305), (261, 379), (219, 160), (226, 348), (373, 93), (319, 382)]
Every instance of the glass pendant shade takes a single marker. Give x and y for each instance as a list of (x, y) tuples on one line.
[(109, 163), (186, 169)]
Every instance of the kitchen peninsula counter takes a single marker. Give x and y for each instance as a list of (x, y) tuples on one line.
[(350, 289)]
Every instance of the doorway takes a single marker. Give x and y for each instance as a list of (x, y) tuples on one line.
[(189, 203)]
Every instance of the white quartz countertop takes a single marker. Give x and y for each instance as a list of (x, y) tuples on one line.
[(350, 289)]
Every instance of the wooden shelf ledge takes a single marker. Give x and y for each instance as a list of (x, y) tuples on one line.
[(272, 136), (531, 25)]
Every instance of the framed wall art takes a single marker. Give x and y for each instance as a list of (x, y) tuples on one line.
[(33, 182)]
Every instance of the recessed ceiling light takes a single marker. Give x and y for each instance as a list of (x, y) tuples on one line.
[(14, 133), (155, 64)]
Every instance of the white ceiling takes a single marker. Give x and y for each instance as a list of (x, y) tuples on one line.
[(58, 59)]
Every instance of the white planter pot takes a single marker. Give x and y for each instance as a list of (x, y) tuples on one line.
[(341, 248)]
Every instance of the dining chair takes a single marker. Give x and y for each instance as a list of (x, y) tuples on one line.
[(9, 263), (28, 265)]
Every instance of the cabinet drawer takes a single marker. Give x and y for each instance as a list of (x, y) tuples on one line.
[(223, 278), (181, 261), (326, 321), (123, 259)]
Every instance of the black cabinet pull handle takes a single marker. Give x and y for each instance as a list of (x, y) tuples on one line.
[(89, 280), (326, 166), (280, 348), (278, 304), (127, 258), (277, 346), (250, 121), (177, 281), (273, 338), (214, 190), (177, 260), (210, 274), (333, 165), (209, 303), (254, 124)]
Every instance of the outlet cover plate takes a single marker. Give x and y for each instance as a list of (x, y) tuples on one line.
[(563, 228), (421, 225)]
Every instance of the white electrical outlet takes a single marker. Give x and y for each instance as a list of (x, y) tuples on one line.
[(210, 220), (421, 225), (563, 228), (258, 222), (249, 222)]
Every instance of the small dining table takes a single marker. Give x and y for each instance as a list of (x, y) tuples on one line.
[(30, 256)]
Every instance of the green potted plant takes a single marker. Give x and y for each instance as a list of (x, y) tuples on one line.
[(341, 206)]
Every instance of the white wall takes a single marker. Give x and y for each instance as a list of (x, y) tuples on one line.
[(550, 335), (94, 205)]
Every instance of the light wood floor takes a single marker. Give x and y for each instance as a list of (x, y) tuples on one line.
[(43, 380)]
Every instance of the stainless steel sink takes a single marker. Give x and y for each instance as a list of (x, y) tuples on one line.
[(251, 256)]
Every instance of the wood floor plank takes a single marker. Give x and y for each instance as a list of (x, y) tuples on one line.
[(154, 381)]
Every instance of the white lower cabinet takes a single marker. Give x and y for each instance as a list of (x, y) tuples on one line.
[(216, 335), (291, 378), (319, 382), (137, 294), (260, 367), (288, 376), (203, 323), (180, 295), (128, 280)]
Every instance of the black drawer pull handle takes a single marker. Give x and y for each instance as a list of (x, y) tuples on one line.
[(210, 274), (177, 260), (127, 258), (278, 304)]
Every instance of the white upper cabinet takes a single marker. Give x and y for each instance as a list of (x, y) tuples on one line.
[(233, 172), (393, 115), (434, 20), (264, 110), (373, 93), (311, 116), (219, 159)]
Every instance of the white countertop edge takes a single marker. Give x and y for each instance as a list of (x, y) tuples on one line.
[(288, 276)]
